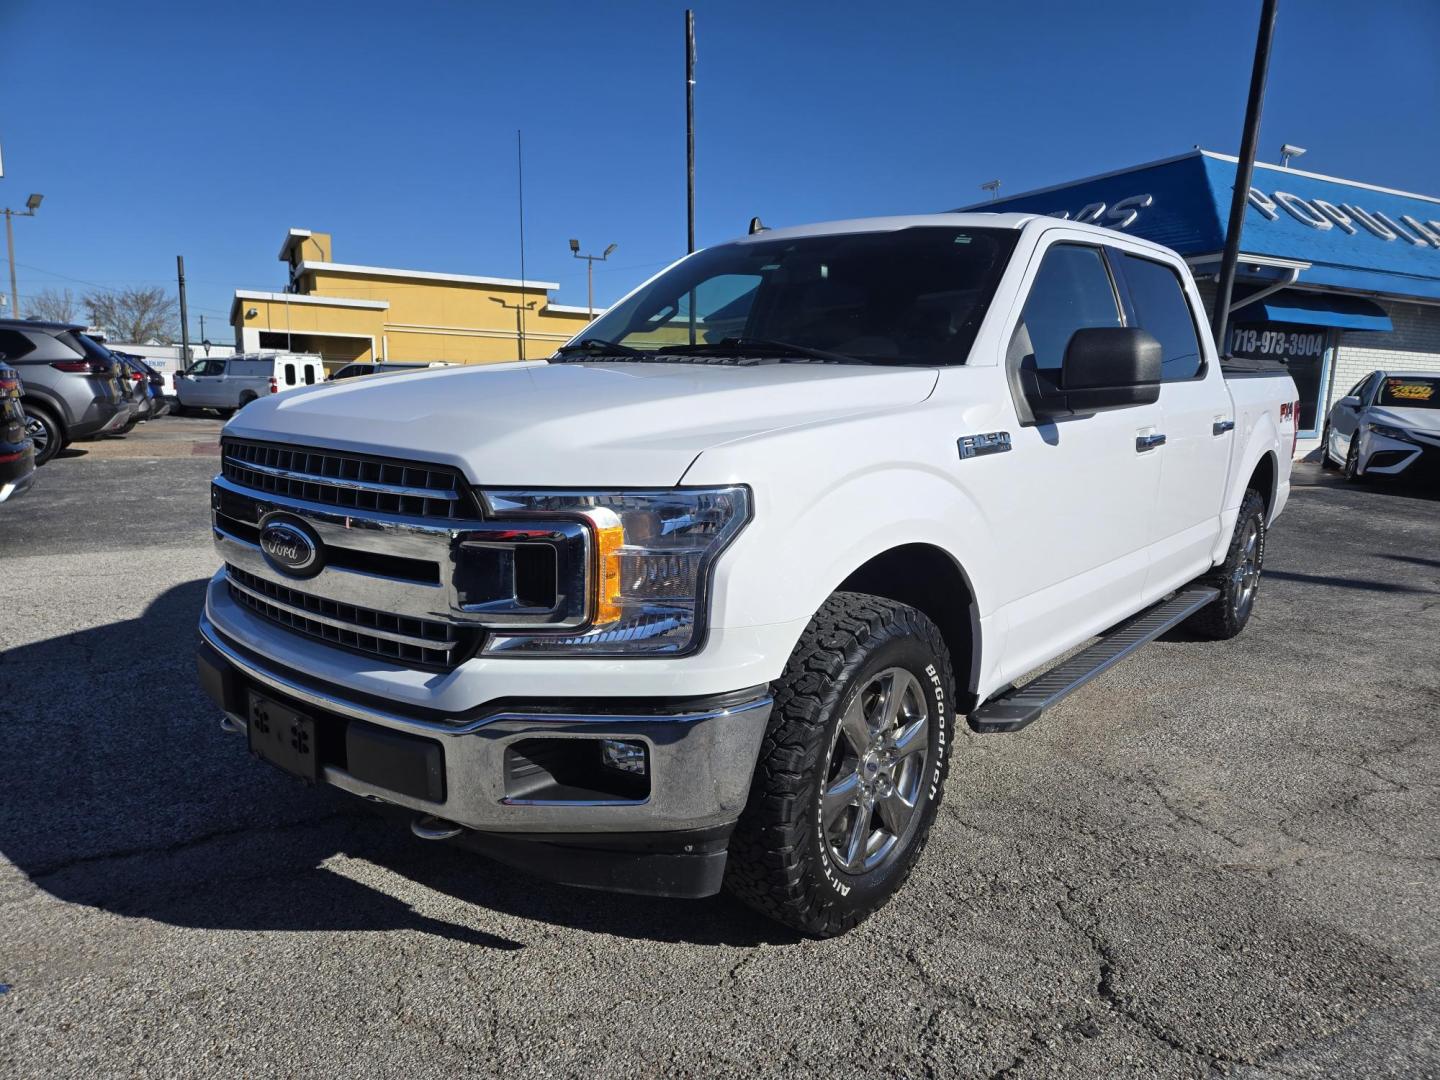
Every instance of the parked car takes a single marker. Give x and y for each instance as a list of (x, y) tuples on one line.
[(227, 383), (1387, 425), (17, 451), (159, 403), (137, 387), (72, 386), (385, 367), (698, 601)]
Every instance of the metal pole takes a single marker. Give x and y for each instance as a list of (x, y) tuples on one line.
[(10, 246), (1244, 171), (690, 128), (520, 184), (184, 315), (590, 285)]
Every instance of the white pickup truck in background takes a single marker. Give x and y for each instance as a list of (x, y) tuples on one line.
[(697, 601)]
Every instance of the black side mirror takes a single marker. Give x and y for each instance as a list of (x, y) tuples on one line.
[(1105, 367)]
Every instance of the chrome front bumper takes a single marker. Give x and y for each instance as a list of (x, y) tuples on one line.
[(702, 759)]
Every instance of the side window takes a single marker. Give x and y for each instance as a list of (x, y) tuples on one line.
[(200, 367), (1072, 291), (289, 374), (1367, 391), (14, 344), (1161, 308), (217, 367), (309, 374)]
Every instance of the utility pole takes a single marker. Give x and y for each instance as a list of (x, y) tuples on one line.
[(184, 316), (1244, 171), (519, 310), (31, 205), (690, 128), (590, 261)]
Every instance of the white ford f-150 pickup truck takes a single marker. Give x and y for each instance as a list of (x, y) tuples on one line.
[(699, 600)]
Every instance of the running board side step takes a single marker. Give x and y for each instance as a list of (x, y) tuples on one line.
[(1017, 708)]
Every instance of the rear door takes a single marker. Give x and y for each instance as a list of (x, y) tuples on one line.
[(1076, 518), (1196, 419)]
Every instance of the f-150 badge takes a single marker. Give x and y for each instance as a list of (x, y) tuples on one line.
[(993, 442)]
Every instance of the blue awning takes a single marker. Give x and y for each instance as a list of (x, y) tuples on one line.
[(1315, 309)]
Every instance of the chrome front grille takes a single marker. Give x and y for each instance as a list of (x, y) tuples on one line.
[(349, 481), (377, 633)]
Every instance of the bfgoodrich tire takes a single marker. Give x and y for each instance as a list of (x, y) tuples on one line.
[(851, 768), (1238, 577)]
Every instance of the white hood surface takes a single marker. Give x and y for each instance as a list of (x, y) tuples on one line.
[(574, 424), (1425, 420)]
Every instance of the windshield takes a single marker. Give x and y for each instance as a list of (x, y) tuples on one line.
[(913, 296), (1401, 392)]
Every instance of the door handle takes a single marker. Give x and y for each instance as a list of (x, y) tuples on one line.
[(1222, 426), (1148, 442)]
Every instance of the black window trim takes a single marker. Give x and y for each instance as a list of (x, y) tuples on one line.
[(1118, 271)]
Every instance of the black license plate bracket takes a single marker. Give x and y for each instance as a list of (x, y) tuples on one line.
[(283, 737)]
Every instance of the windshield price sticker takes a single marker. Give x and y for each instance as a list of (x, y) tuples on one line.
[(1409, 391)]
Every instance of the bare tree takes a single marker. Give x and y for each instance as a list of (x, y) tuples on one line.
[(53, 305), (138, 315)]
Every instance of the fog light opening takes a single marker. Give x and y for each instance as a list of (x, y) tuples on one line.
[(625, 756)]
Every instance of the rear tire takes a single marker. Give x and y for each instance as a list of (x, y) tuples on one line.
[(1237, 578), (225, 414), (1326, 462), (246, 398), (45, 431), (851, 769)]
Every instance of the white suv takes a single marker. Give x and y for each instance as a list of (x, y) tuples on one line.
[(227, 383)]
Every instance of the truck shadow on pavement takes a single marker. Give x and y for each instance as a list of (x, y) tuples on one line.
[(121, 793)]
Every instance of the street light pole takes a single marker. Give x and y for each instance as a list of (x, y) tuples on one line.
[(590, 261), (31, 205), (519, 310)]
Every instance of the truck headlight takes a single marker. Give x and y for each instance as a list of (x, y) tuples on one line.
[(650, 575), (1388, 432)]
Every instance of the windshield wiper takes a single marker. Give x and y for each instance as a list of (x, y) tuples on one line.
[(745, 346), (599, 346)]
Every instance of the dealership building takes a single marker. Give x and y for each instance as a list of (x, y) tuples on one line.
[(1337, 278)]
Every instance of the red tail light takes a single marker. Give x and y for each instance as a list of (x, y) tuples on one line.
[(75, 367), (274, 386), (1295, 430)]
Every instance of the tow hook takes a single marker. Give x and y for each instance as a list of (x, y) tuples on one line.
[(230, 727), (429, 827)]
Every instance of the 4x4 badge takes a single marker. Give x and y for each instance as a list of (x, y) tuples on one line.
[(993, 442)]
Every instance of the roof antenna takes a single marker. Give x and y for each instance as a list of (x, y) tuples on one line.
[(756, 225)]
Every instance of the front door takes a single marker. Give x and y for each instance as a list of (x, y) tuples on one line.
[(1345, 419), (1076, 517)]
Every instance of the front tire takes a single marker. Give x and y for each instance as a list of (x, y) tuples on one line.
[(1352, 460), (1237, 578), (851, 770)]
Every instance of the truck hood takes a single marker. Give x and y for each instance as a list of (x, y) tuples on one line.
[(1426, 420), (574, 424)]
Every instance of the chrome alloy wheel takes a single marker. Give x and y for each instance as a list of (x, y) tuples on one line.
[(38, 432), (877, 765), (1247, 571)]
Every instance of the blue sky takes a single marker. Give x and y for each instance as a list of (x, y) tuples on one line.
[(209, 129)]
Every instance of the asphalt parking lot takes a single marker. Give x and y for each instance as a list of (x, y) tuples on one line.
[(1220, 857)]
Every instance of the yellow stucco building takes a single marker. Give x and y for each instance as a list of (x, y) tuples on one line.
[(347, 313)]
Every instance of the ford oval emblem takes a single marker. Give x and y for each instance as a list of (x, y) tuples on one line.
[(290, 546)]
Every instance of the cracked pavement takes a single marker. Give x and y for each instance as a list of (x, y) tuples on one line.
[(1216, 858)]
